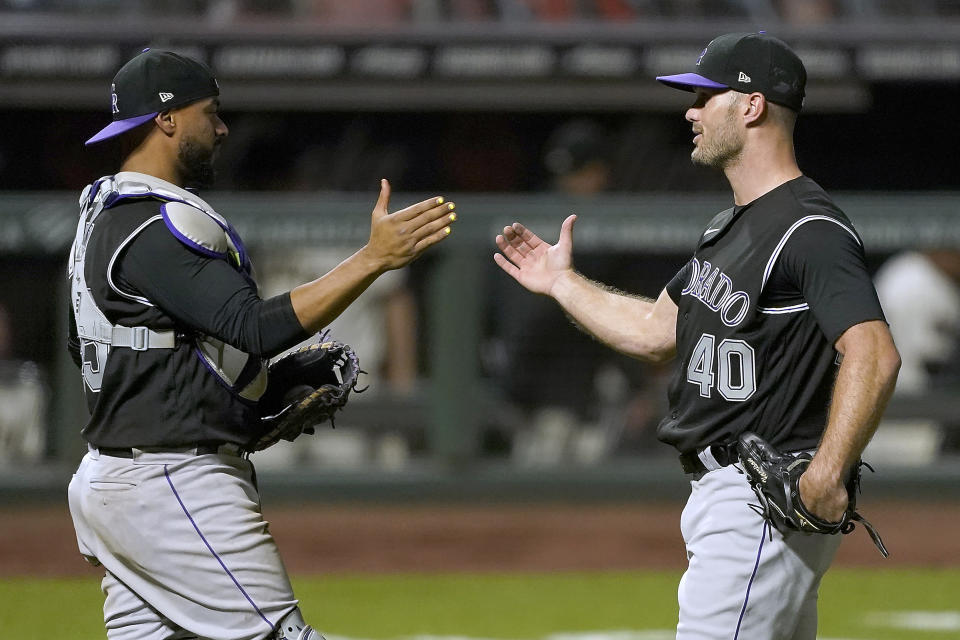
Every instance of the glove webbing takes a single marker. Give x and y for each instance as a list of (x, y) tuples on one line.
[(846, 525)]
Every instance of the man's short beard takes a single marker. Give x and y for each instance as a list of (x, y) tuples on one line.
[(724, 150), (196, 164)]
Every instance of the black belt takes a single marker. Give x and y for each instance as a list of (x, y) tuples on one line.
[(724, 454), (200, 449)]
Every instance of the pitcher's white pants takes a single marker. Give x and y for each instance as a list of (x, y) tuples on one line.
[(740, 584), (186, 550)]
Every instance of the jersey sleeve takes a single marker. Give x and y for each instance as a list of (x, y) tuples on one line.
[(207, 294), (677, 284), (825, 261)]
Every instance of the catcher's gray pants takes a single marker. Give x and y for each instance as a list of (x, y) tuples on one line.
[(186, 550), (740, 584)]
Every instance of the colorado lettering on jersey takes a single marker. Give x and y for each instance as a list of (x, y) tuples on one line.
[(714, 288)]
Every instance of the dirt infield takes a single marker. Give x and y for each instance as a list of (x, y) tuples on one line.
[(317, 538)]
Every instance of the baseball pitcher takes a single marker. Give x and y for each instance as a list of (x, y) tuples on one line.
[(784, 359)]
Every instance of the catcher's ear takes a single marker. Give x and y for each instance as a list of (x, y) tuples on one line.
[(166, 122)]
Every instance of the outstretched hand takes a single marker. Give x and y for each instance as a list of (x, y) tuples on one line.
[(398, 238), (533, 263)]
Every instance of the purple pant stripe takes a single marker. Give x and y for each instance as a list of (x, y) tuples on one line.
[(756, 565), (166, 473)]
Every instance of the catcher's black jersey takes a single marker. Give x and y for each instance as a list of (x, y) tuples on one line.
[(770, 288), (168, 397)]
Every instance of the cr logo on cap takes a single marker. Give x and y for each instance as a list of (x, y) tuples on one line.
[(702, 53), (113, 99)]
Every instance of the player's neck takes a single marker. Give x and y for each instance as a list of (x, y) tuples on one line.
[(148, 160), (760, 170)]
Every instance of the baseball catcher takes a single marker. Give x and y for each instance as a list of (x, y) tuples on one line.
[(775, 478), (175, 367), (306, 387)]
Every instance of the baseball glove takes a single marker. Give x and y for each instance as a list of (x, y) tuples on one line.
[(775, 478), (305, 388)]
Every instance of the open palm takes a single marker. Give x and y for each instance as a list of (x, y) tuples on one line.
[(400, 237), (533, 263)]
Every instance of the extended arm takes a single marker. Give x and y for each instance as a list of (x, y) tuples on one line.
[(209, 295), (206, 294), (637, 327), (867, 376)]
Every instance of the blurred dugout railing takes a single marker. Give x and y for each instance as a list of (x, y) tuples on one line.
[(454, 407)]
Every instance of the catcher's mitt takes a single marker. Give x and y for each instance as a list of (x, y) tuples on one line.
[(305, 388), (775, 478)]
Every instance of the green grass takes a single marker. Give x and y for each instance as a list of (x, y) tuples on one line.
[(501, 606), (849, 596), (491, 606)]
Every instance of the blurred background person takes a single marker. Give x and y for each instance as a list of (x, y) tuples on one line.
[(577, 398), (381, 326), (22, 402), (920, 294), (577, 158), (550, 373)]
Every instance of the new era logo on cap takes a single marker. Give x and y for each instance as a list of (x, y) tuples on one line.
[(164, 96), (742, 78)]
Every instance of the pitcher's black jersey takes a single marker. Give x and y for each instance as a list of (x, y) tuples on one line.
[(770, 288)]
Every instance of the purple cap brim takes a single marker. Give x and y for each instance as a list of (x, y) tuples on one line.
[(690, 81), (118, 127)]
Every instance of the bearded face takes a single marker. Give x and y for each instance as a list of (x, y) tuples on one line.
[(195, 159), (201, 135), (721, 143)]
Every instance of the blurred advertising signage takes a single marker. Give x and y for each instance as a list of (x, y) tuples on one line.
[(503, 61), (60, 60), (278, 62), (400, 61), (914, 62)]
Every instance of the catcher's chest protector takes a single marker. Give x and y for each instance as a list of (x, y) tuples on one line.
[(194, 223)]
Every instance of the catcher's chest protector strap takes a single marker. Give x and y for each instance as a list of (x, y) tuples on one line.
[(188, 217), (194, 223)]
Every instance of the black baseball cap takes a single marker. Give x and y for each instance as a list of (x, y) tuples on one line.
[(747, 62), (152, 82)]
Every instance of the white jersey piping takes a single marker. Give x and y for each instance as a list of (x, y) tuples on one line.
[(786, 236), (780, 310), (116, 254)]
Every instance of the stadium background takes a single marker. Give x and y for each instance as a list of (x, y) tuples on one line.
[(502, 451)]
